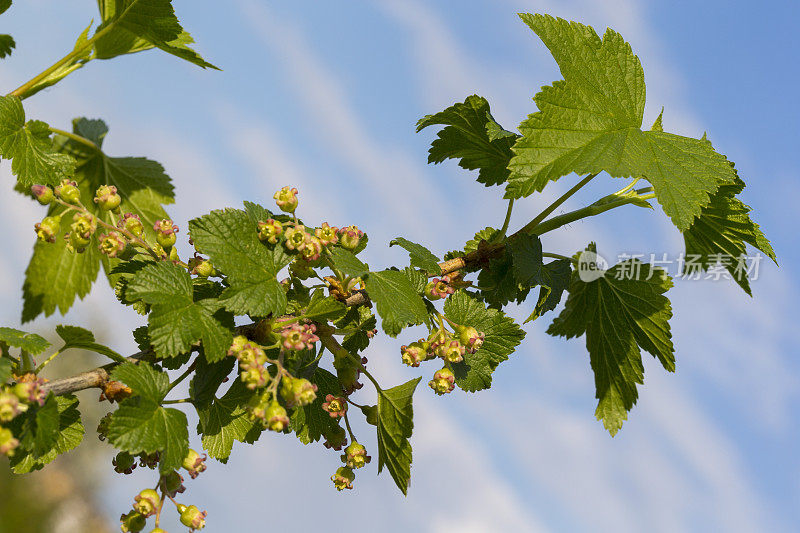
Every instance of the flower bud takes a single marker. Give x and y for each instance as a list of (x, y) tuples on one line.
[(132, 223), (165, 233), (29, 389), (47, 230), (269, 231), (7, 442), (201, 267), (44, 194), (68, 191), (124, 463), (192, 517), (439, 288), (194, 463), (10, 406), (132, 522), (147, 502), (335, 406), (443, 381), (107, 198), (112, 243), (286, 198), (254, 376), (296, 238), (414, 353), (335, 438), (471, 338), (275, 417), (452, 351), (239, 342), (343, 478), (350, 236), (355, 456), (327, 234), (298, 392)]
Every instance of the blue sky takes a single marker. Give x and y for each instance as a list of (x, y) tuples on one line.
[(324, 96)]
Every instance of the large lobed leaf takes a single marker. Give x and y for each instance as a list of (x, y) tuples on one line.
[(398, 302)]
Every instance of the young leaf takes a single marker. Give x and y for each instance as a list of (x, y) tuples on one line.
[(177, 320), (472, 135), (420, 256), (621, 312), (396, 299), (347, 263), (324, 308), (225, 420), (70, 435), (29, 147), (143, 379), (395, 426), (591, 122), (230, 239), (502, 336), (30, 342), (83, 339), (554, 281)]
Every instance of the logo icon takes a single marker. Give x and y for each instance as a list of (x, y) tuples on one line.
[(591, 266)]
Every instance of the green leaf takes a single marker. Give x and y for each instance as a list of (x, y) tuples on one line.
[(230, 239), (225, 420), (498, 280), (207, 379), (420, 256), (347, 263), (140, 425), (177, 320), (4, 5), (83, 339), (322, 308), (484, 235), (395, 425), (40, 428), (621, 312), (472, 135), (70, 435), (554, 281), (30, 342), (591, 122), (526, 258), (396, 300), (7, 44), (55, 276), (5, 369), (359, 322), (141, 25), (311, 422), (502, 336), (29, 147), (719, 235), (143, 379)]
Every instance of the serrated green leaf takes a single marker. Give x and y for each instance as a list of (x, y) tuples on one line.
[(83, 339), (29, 147), (472, 135), (143, 379), (395, 426), (396, 299), (359, 322), (554, 281), (621, 312), (7, 45), (417, 278), (225, 420), (498, 282), (502, 336), (323, 308), (39, 428), (311, 421), (230, 239), (207, 379), (141, 425), (30, 342), (138, 25), (486, 234), (526, 258), (420, 256), (591, 122), (347, 263), (70, 435), (177, 320)]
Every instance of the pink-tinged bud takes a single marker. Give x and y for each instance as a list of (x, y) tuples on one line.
[(194, 463), (44, 194), (343, 478), (107, 198), (269, 231), (132, 522), (336, 406), (201, 267), (296, 238), (299, 336), (147, 502), (192, 517), (166, 233), (239, 342), (312, 250), (336, 438), (439, 288), (437, 339), (471, 338), (29, 389), (452, 352), (124, 463), (276, 418), (443, 381), (47, 230), (286, 198), (112, 243), (414, 353), (250, 355), (298, 392), (350, 236), (132, 223), (10, 406), (68, 191), (327, 234), (172, 483), (7, 442), (254, 377), (355, 456)]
